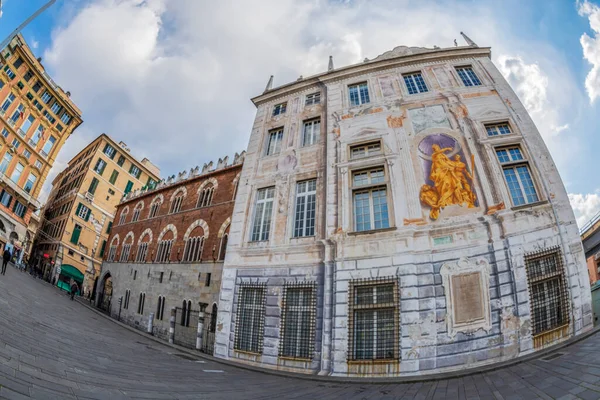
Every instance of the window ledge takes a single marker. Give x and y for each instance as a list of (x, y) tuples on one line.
[(529, 205), (246, 352), (372, 231), (300, 359), (371, 362)]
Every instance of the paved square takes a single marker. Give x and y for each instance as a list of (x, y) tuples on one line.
[(55, 348)]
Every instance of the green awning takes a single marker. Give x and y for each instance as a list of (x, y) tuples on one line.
[(70, 271)]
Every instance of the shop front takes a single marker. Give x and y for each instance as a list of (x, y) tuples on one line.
[(68, 272)]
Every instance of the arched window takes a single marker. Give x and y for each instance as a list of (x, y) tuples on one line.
[(177, 200), (155, 206), (137, 210), (112, 253), (194, 244), (141, 303), (165, 243), (123, 215), (223, 248), (127, 243), (183, 313), (143, 244), (126, 302), (189, 311), (205, 196), (236, 184), (224, 235), (160, 309)]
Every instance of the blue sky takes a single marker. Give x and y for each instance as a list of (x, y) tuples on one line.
[(145, 69)]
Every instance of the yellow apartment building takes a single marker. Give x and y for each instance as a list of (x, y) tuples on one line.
[(80, 210), (36, 118)]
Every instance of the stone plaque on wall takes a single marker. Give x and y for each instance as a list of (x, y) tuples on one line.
[(467, 299), (467, 287)]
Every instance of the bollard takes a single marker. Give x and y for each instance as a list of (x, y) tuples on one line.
[(150, 322), (200, 330), (172, 326)]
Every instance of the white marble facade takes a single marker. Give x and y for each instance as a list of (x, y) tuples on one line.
[(418, 269)]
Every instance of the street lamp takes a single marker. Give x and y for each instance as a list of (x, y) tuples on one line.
[(14, 33)]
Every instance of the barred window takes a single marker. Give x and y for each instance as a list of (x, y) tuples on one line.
[(250, 324), (262, 214), (163, 253), (205, 197), (142, 252), (193, 249), (306, 193), (298, 322), (374, 326), (547, 290)]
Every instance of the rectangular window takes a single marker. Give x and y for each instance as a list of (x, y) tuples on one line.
[(48, 146), (100, 165), (16, 175), (306, 194), (274, 142), (208, 276), (26, 153), (37, 135), (76, 233), (93, 186), (9, 72), (37, 86), (56, 108), (298, 322), (18, 63), (250, 319), (46, 97), (49, 117), (374, 321), (498, 129), (15, 143), (370, 200), (110, 151), (113, 176), (102, 248), (547, 289), (517, 175), (468, 77), (30, 182), (359, 94), (313, 98), (415, 83), (311, 131), (109, 227), (65, 118), (5, 198), (19, 209), (7, 103), (135, 171), (5, 132), (128, 187), (28, 75), (17, 114), (365, 150), (38, 164), (27, 124), (262, 214), (83, 212), (121, 161), (279, 109)]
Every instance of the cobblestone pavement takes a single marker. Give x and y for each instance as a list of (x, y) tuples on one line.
[(55, 348)]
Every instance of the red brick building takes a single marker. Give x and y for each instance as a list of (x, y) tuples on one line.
[(166, 249)]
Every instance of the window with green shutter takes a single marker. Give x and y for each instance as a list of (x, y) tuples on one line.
[(121, 161), (76, 233), (109, 227), (102, 249), (113, 176), (83, 212), (93, 186), (128, 187)]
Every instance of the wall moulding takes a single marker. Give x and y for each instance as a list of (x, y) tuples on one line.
[(467, 286)]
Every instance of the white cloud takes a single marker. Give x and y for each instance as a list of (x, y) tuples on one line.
[(591, 47), (585, 206), (173, 79)]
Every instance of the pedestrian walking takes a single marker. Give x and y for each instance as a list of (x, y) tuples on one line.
[(74, 288), (5, 258)]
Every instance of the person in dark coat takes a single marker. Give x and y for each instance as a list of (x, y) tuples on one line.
[(74, 288), (5, 259)]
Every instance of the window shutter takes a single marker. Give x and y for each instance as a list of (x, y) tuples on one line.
[(93, 186), (75, 235), (87, 215), (128, 187), (78, 209), (102, 169), (109, 227), (102, 248)]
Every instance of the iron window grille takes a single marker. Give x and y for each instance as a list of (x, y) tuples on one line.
[(163, 253), (193, 249), (359, 94), (313, 98), (468, 76), (250, 318), (263, 210), (311, 131), (306, 194), (142, 252), (547, 290), (298, 321), (517, 175), (374, 320), (498, 129), (415, 83)]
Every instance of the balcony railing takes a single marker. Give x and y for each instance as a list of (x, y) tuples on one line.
[(11, 122), (20, 132), (44, 154)]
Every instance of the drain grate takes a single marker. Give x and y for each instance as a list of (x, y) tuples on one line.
[(552, 356)]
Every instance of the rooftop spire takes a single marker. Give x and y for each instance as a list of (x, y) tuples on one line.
[(269, 84), (330, 67), (468, 40)]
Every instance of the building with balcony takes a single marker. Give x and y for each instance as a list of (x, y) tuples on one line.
[(36, 118), (400, 216), (166, 251), (79, 214)]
